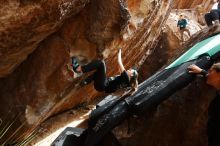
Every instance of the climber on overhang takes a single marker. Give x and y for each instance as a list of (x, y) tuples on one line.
[(182, 22), (213, 124), (127, 78), (214, 16)]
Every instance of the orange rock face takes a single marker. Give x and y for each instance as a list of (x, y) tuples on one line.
[(24, 24), (41, 85), (38, 38), (181, 4)]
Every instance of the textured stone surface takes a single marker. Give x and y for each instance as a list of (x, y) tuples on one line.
[(41, 86), (37, 39), (180, 120), (23, 24), (182, 4)]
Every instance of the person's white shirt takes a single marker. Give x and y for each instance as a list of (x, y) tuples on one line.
[(215, 6)]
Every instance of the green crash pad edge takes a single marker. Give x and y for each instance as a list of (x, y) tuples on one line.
[(209, 46)]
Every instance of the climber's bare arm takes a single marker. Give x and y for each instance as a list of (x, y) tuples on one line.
[(194, 69), (120, 64)]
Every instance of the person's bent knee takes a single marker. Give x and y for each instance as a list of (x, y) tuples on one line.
[(208, 18), (207, 15), (213, 11), (97, 61), (214, 14), (100, 63)]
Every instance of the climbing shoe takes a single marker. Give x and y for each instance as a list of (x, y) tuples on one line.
[(75, 64)]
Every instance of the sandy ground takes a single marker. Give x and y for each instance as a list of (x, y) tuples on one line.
[(55, 125)]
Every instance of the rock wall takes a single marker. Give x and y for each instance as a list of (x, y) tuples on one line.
[(41, 86), (181, 120), (38, 38), (181, 4), (26, 23)]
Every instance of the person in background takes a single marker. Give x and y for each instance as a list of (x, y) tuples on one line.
[(213, 15), (182, 22), (213, 79)]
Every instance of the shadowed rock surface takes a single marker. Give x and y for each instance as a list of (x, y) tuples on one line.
[(180, 120), (38, 38)]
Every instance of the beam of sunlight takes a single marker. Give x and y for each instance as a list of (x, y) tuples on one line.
[(49, 139)]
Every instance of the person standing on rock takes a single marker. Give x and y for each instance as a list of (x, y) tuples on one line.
[(182, 22), (127, 78), (213, 124), (214, 16)]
